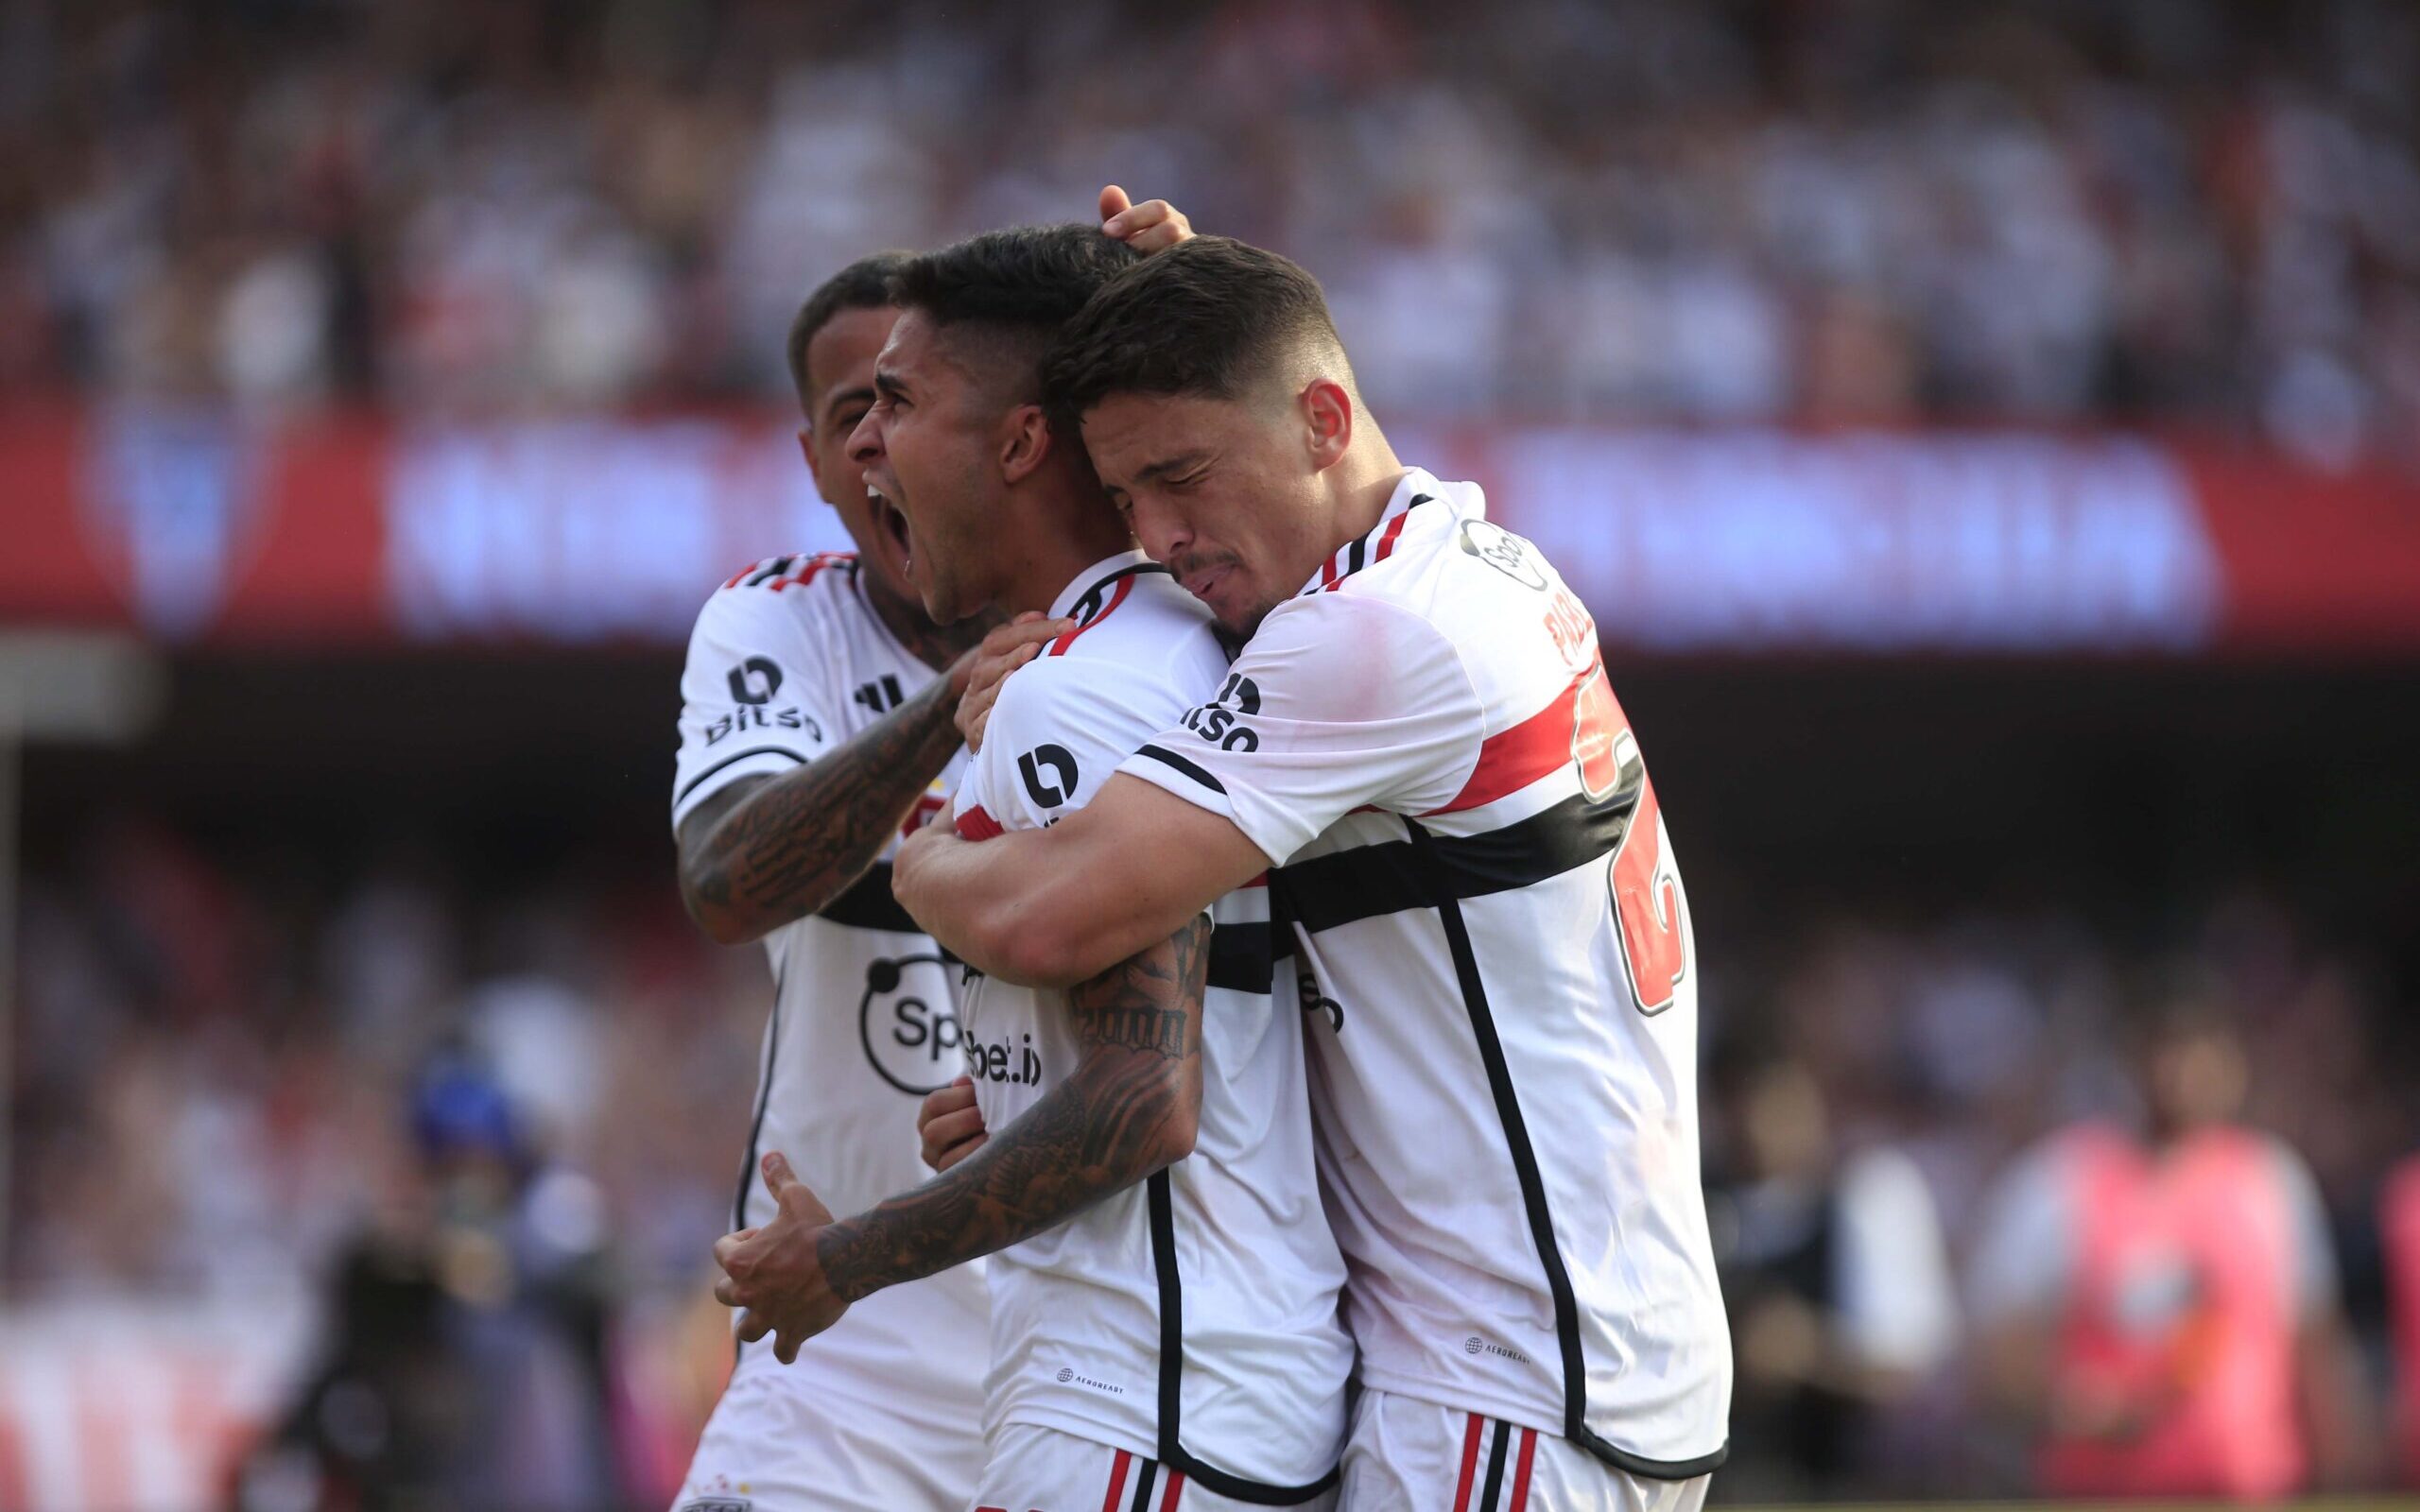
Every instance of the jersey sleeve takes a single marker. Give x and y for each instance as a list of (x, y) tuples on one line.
[(1058, 732), (756, 695), (1340, 702)]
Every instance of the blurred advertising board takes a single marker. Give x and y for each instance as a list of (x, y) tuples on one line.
[(204, 527)]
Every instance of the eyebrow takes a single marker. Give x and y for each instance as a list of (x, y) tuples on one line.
[(887, 382), (834, 403), (1172, 464)]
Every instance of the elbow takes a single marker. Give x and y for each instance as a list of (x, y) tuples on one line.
[(1175, 1121), (1042, 953), (721, 923), (1180, 1130)]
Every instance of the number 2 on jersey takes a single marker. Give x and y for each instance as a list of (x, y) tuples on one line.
[(1646, 891)]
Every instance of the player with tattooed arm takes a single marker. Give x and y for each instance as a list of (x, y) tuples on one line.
[(815, 727), (1164, 1284)]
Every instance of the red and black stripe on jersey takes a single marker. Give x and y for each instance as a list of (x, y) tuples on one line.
[(1365, 551), (778, 573)]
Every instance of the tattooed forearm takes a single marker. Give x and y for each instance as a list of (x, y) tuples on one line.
[(1127, 1109), (784, 847)]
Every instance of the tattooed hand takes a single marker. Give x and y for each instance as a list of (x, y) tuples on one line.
[(775, 1271)]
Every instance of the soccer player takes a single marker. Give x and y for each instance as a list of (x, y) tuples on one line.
[(816, 726), (1164, 1292), (1480, 884)]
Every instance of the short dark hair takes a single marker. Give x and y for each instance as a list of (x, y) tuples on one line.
[(864, 284), (1206, 316), (1016, 288)]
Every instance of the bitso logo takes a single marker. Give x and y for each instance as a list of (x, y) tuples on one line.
[(908, 1026), (755, 680), (1504, 552), (1046, 792), (1220, 720)]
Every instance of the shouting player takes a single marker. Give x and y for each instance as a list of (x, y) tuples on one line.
[(816, 726), (1164, 1293), (1481, 886)]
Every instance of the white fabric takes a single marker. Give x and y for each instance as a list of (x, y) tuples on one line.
[(1409, 1456), (1450, 682), (1076, 1311), (787, 662), (1032, 1468), (823, 1436)]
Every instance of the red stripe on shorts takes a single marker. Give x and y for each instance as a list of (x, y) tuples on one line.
[(1470, 1465), (1521, 1472), (1176, 1489), (1117, 1480)]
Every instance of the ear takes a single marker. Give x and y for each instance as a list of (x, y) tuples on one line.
[(806, 449), (1327, 417), (1025, 442)]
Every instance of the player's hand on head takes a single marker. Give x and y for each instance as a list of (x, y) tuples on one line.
[(773, 1271), (1153, 225), (1004, 650), (950, 1124)]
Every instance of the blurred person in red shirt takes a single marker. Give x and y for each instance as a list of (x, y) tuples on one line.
[(2399, 1232), (2157, 1305)]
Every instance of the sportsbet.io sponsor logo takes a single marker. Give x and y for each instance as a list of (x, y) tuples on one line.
[(908, 1025)]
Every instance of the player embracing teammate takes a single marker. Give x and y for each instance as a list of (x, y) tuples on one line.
[(1417, 751)]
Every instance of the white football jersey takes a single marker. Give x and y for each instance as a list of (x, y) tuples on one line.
[(789, 660), (1191, 1319), (1497, 955)]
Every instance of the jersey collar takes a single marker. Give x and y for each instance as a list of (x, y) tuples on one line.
[(1418, 487), (1083, 598)]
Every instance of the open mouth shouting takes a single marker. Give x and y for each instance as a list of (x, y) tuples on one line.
[(891, 522)]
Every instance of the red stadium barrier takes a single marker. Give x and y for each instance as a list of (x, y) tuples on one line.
[(197, 526)]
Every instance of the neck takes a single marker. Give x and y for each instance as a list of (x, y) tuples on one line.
[(1055, 532), (1362, 483), (936, 645)]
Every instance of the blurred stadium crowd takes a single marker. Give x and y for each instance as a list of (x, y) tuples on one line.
[(225, 1086), (2205, 212)]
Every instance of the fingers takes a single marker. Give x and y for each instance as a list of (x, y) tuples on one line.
[(729, 1246), (958, 1096), (786, 1347), (952, 1138), (1152, 225), (958, 1152), (1113, 201), (754, 1326), (1005, 649), (727, 1291)]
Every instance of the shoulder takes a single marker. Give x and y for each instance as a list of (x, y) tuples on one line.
[(1154, 629), (1347, 641), (781, 594)]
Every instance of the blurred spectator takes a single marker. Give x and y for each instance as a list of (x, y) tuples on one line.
[(2400, 1221), (1835, 1276), (2141, 210), (2159, 1305), (466, 1360)]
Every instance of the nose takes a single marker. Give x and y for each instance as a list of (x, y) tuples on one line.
[(1162, 530), (865, 442)]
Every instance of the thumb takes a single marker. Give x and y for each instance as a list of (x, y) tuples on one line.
[(779, 1177), (1113, 201)]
